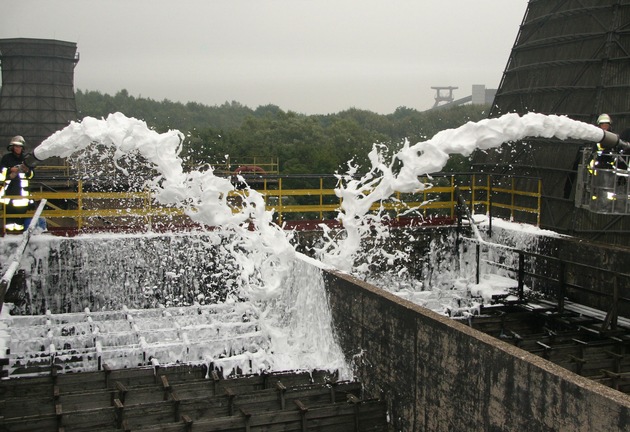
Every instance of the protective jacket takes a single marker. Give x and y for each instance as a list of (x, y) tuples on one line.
[(17, 186)]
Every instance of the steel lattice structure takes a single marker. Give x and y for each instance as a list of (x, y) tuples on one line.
[(37, 94), (570, 57)]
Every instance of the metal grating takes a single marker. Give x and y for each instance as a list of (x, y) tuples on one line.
[(83, 342), (576, 338)]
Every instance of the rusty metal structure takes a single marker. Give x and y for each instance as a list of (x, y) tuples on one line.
[(37, 94), (570, 57)]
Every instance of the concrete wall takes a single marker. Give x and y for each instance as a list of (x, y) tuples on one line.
[(440, 375)]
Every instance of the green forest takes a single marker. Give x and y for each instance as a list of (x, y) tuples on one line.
[(301, 144)]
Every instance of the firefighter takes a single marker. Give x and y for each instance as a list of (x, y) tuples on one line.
[(600, 156), (604, 122), (14, 179)]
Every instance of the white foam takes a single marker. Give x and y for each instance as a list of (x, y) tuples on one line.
[(300, 331)]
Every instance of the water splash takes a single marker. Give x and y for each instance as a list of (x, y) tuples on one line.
[(266, 269), (204, 196), (259, 247), (265, 263), (403, 173)]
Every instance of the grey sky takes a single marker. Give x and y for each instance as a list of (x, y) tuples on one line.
[(309, 56)]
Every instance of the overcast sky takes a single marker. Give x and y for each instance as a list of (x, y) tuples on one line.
[(308, 56)]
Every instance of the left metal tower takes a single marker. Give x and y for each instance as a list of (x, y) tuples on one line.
[(37, 93)]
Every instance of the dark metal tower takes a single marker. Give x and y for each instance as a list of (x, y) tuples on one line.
[(37, 94), (571, 57)]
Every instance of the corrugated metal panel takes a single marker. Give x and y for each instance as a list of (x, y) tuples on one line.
[(37, 94), (571, 57)]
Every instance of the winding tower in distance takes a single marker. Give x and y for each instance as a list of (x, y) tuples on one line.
[(572, 58), (37, 93)]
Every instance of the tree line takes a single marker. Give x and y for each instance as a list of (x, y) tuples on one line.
[(302, 144)]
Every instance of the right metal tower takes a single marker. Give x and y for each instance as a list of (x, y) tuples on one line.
[(37, 94), (571, 57)]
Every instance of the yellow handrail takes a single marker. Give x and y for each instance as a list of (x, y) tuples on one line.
[(82, 209)]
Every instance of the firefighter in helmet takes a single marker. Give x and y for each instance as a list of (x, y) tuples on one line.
[(14, 177), (604, 122), (601, 157)]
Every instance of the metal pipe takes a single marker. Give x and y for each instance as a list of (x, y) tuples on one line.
[(17, 256), (611, 140)]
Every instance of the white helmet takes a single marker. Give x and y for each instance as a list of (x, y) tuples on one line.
[(603, 118), (17, 140)]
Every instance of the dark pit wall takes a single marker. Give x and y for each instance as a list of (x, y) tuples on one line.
[(107, 272), (429, 250), (440, 375), (590, 270)]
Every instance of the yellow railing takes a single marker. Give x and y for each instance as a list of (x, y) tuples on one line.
[(529, 197), (437, 197), (80, 209)]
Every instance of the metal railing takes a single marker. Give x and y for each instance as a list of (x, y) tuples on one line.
[(313, 199), (603, 187), (509, 188), (554, 278)]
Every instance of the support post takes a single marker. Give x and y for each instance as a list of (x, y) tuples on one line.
[(563, 286), (478, 253), (521, 275), (612, 315), (489, 206)]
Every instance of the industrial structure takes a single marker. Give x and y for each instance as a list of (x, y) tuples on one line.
[(443, 98), (480, 95), (545, 365), (570, 58), (37, 94)]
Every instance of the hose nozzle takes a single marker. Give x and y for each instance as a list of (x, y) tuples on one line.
[(31, 161), (609, 140)]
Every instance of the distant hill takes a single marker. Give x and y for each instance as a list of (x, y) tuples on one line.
[(165, 114), (302, 143)]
